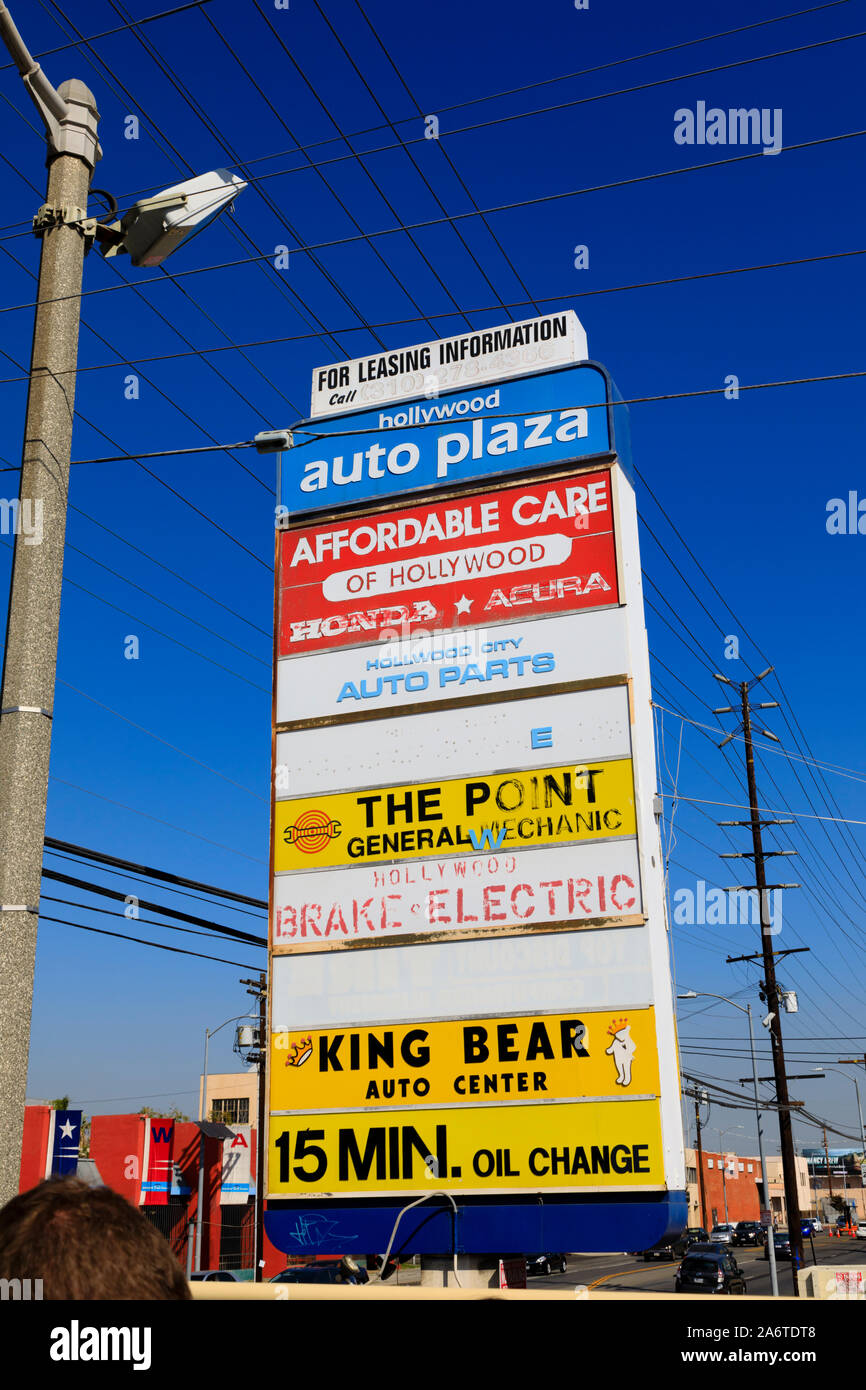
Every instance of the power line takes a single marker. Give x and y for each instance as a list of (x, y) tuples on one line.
[(142, 941), (158, 820), (175, 573), (638, 57), (181, 163), (245, 937), (579, 192), (434, 424), (73, 882), (147, 871), (404, 144), (100, 598), (198, 111), (76, 861), (148, 471), (400, 323), (313, 167), (119, 29), (174, 748)]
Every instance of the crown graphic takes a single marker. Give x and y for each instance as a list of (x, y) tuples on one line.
[(615, 1025), (300, 1053)]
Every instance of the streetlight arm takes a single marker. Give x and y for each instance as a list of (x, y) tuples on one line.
[(69, 115)]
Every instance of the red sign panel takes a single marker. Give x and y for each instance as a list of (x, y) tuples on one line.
[(512, 553)]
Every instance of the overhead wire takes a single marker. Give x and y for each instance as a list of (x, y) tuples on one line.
[(422, 318), (142, 941), (149, 871), (198, 111), (158, 820), (233, 227), (312, 166), (802, 965), (405, 144)]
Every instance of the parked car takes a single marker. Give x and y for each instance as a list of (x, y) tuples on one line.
[(218, 1276), (344, 1271), (748, 1233), (709, 1273), (817, 1228), (781, 1244), (723, 1232), (546, 1264), (860, 1232), (676, 1248)]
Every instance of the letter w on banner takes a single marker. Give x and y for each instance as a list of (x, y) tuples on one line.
[(158, 1142), (235, 1175)]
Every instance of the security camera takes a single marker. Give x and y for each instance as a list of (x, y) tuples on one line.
[(154, 227), (768, 1020)]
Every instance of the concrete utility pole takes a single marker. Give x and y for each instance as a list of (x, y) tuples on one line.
[(70, 118)]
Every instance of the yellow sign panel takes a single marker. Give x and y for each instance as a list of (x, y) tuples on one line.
[(547, 806), (594, 1146), (542, 1057)]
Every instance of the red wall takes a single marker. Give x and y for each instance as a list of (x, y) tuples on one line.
[(743, 1204), (117, 1149), (34, 1150)]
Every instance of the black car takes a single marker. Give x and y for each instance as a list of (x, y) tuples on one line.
[(708, 1247), (782, 1244), (344, 1271), (748, 1233), (676, 1248), (709, 1273), (546, 1264)]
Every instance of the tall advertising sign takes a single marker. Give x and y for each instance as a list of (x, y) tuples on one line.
[(470, 996)]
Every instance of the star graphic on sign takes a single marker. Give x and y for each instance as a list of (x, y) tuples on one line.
[(67, 1129), (463, 604)]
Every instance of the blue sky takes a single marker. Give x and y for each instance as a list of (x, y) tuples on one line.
[(746, 481)]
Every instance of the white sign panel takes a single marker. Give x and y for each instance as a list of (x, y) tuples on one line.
[(447, 743), (544, 972), (485, 892), (453, 665), (235, 1186), (467, 359)]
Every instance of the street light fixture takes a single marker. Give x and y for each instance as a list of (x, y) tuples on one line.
[(747, 1009), (155, 227)]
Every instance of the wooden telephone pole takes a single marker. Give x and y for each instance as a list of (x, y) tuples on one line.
[(770, 991)]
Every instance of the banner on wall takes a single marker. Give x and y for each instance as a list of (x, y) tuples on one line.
[(235, 1180)]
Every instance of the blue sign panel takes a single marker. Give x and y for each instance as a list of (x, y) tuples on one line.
[(633, 1222), (478, 432), (65, 1136)]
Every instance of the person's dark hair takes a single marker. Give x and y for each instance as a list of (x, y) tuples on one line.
[(86, 1243)]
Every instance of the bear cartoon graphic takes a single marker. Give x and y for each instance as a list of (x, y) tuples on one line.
[(622, 1049)]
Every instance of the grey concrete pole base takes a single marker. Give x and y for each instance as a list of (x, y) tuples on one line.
[(473, 1271)]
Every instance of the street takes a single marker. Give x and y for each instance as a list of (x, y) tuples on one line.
[(627, 1273)]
